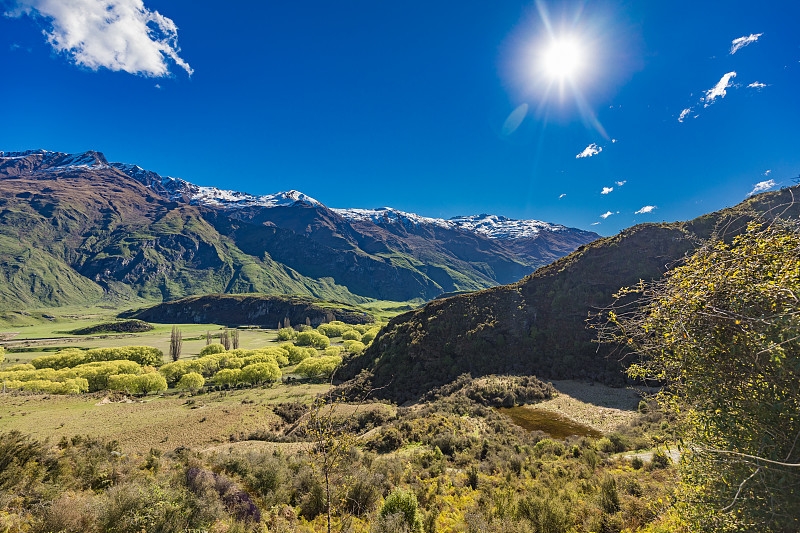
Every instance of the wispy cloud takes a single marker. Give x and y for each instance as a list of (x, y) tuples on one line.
[(114, 34), (594, 223), (589, 151), (645, 209), (762, 186), (718, 91), (562, 195), (684, 113), (607, 214), (768, 172), (606, 190), (741, 42), (757, 85), (620, 183)]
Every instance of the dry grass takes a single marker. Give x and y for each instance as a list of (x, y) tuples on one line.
[(598, 406), (163, 423)]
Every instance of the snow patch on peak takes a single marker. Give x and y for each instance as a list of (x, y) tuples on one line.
[(214, 197), (491, 226), (499, 227), (48, 161), (389, 215)]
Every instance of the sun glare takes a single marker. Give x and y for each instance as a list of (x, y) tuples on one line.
[(563, 59)]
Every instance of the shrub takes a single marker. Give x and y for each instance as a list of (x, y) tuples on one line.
[(260, 373), (356, 348), (228, 376), (192, 382), (212, 348), (318, 366), (298, 353), (333, 350), (312, 338), (138, 384), (352, 335), (405, 504), (334, 329), (286, 334), (71, 357), (369, 335)]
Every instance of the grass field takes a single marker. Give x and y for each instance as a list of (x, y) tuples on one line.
[(163, 423)]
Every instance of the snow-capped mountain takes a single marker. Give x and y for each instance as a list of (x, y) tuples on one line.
[(285, 242), (492, 226), (178, 189)]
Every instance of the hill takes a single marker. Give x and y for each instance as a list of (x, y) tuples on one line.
[(537, 326), (249, 309), (75, 228)]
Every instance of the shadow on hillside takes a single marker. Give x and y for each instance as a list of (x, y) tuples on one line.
[(626, 399)]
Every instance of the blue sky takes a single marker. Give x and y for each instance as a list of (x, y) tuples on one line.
[(412, 104)]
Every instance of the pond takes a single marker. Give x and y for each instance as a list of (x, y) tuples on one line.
[(556, 425)]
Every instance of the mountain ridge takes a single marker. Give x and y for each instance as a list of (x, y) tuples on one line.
[(112, 229)]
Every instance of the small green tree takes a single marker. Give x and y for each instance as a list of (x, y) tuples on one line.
[(191, 382), (403, 503)]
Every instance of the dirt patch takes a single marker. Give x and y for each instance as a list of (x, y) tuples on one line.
[(598, 406)]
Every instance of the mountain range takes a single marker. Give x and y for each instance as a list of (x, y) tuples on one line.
[(75, 228)]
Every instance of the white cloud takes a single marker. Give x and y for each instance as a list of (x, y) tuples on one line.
[(757, 85), (606, 190), (719, 89), (562, 196), (589, 151), (645, 209), (606, 215), (684, 113), (594, 223), (113, 34), (741, 42), (762, 186), (621, 183), (767, 173)]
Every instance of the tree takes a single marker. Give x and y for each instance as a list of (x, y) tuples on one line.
[(192, 382), (208, 338), (332, 440), (287, 323), (175, 343), (722, 334), (225, 339), (235, 339)]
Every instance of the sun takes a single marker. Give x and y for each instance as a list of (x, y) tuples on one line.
[(563, 59)]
